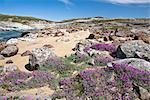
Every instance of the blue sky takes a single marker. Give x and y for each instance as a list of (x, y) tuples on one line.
[(64, 9)]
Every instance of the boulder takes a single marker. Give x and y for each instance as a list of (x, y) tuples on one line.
[(129, 49), (9, 51), (135, 62), (143, 55), (40, 57)]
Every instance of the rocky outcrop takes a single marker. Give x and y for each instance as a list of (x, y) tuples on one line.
[(129, 49), (9, 51)]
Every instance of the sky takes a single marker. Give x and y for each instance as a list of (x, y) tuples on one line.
[(65, 9)]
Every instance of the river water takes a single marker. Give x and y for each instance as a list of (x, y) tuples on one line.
[(9, 34)]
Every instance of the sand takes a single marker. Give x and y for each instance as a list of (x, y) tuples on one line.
[(60, 48), (42, 91)]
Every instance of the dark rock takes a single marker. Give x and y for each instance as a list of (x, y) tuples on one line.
[(48, 46), (9, 51), (24, 34), (91, 36), (26, 53), (9, 62)]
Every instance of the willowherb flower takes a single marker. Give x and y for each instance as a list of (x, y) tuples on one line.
[(127, 73)]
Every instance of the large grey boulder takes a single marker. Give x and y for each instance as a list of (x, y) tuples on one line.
[(140, 64), (129, 49), (41, 57), (9, 51)]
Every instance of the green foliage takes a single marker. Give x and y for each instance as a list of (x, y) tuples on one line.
[(69, 67), (20, 19)]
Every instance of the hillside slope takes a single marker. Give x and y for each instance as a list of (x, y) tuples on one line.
[(12, 22)]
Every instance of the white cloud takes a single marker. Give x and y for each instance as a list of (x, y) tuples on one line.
[(127, 1), (67, 2)]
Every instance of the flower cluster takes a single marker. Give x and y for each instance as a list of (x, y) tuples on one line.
[(21, 80), (80, 57), (104, 47), (93, 83), (96, 83), (127, 73), (103, 60), (54, 63)]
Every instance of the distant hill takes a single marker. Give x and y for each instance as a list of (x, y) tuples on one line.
[(21, 19), (103, 20)]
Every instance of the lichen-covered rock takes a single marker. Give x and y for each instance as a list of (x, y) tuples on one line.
[(9, 51), (41, 57), (135, 62), (129, 49), (142, 55)]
